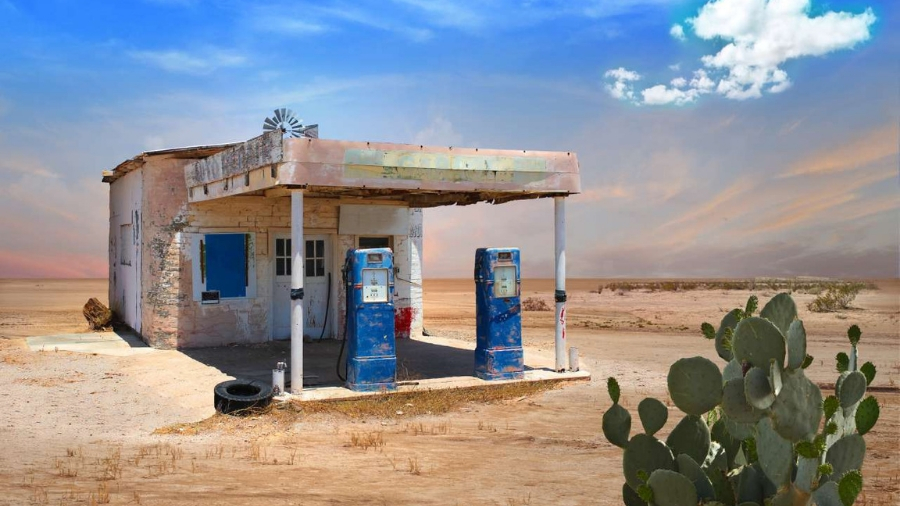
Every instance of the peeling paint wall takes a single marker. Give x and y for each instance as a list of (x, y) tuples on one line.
[(172, 314), (416, 256), (125, 212)]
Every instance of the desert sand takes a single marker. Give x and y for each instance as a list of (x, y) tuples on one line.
[(79, 428)]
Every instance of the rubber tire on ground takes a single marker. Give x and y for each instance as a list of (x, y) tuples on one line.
[(241, 396)]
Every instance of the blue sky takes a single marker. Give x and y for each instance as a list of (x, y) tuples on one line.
[(783, 162)]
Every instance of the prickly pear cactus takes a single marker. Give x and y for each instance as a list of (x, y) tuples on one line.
[(750, 434)]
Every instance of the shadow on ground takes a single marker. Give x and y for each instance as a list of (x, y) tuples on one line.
[(415, 360)]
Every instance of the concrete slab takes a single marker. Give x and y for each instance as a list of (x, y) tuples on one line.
[(341, 393), (422, 364), (115, 343)]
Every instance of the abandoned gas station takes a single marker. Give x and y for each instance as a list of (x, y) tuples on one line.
[(248, 243)]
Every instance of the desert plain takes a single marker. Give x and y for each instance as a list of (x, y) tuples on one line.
[(79, 428)]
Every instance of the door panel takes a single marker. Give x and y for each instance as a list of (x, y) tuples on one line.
[(317, 250)]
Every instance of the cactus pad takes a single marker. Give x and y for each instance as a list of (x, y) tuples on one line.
[(827, 495), (757, 389), (866, 415), (734, 403), (645, 453), (868, 369), (672, 489), (732, 370), (852, 389), (748, 485), (797, 410), (653, 415), (806, 473), (849, 487), (843, 362), (617, 425), (695, 385), (781, 311), (630, 497), (730, 321), (729, 443), (612, 387), (853, 333), (722, 485), (691, 437), (776, 454), (846, 454), (757, 341), (796, 345), (692, 471)]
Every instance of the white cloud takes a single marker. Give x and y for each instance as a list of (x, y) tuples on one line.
[(200, 62), (675, 66), (621, 87), (760, 36)]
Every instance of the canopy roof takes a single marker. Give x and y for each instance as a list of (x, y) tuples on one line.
[(423, 176)]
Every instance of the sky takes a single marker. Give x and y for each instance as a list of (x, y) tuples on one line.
[(718, 138)]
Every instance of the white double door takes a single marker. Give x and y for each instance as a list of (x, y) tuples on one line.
[(317, 259)]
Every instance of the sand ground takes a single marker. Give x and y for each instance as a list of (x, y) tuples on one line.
[(78, 428)]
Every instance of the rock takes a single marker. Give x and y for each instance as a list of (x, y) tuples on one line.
[(97, 315)]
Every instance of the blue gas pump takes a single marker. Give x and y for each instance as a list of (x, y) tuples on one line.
[(371, 355), (498, 314)]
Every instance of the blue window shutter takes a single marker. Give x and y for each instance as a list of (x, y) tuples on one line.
[(226, 264)]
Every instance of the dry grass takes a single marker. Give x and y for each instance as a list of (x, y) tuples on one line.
[(423, 402), (535, 304), (773, 284), (387, 405)]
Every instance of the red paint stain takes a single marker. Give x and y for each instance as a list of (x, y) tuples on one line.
[(403, 318)]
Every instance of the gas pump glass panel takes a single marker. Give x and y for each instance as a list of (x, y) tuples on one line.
[(505, 281), (375, 285)]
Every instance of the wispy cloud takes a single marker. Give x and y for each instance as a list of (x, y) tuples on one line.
[(822, 204), (760, 36), (869, 147), (199, 62)]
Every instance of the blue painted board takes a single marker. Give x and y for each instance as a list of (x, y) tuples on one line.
[(226, 264)]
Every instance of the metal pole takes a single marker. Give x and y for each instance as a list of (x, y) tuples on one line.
[(559, 228), (297, 264)]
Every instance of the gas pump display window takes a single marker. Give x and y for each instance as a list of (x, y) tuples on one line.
[(375, 285), (505, 281)]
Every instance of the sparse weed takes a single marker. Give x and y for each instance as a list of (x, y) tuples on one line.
[(366, 440), (835, 297), (414, 467), (535, 304)]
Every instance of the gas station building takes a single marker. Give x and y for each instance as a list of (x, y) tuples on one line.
[(244, 243)]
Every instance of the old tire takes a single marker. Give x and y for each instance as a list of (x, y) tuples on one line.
[(241, 396)]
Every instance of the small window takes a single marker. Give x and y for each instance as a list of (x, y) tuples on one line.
[(374, 242), (282, 257), (126, 244), (225, 264), (315, 258)]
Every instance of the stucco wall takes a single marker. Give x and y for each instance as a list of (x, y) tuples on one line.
[(124, 249), (171, 315)]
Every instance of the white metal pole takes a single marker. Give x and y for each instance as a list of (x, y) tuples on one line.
[(297, 264), (559, 228)]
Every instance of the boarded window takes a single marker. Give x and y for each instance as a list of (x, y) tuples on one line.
[(374, 242), (227, 263), (126, 244)]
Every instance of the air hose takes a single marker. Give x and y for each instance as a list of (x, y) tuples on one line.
[(327, 306), (337, 366)]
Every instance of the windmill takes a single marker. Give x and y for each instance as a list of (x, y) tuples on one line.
[(284, 120)]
